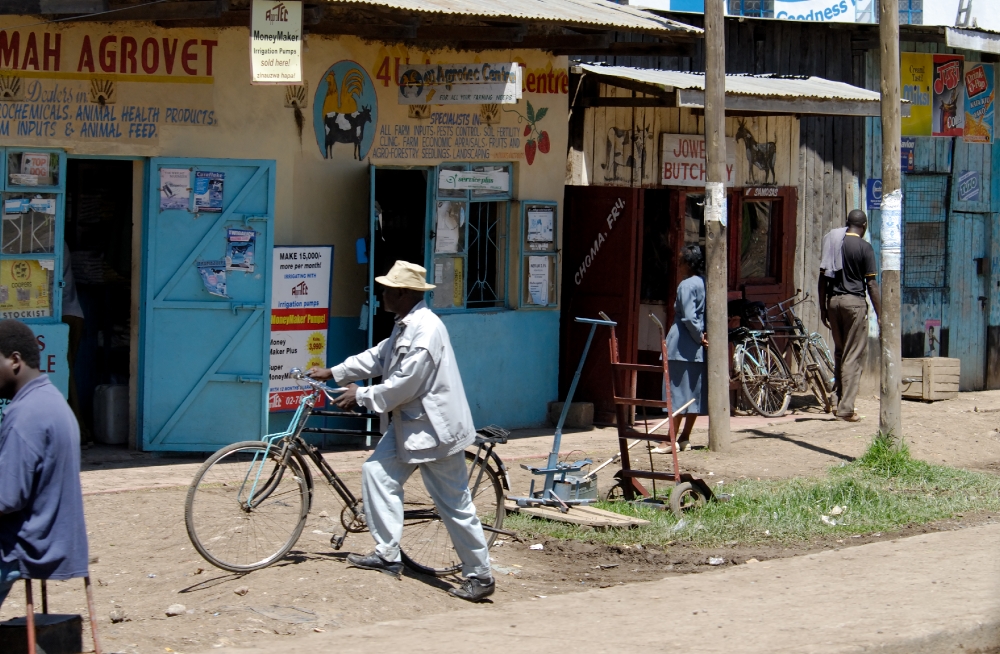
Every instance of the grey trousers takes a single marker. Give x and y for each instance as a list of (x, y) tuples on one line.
[(849, 325), (382, 479)]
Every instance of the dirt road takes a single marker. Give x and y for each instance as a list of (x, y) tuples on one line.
[(144, 562), (928, 594)]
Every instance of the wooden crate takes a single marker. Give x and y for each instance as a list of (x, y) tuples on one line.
[(931, 378)]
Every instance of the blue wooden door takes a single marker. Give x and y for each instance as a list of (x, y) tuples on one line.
[(966, 313), (205, 356)]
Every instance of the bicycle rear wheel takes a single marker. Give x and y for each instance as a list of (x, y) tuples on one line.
[(764, 380), (426, 545), (233, 534)]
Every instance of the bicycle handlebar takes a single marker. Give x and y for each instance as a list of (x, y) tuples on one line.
[(298, 375)]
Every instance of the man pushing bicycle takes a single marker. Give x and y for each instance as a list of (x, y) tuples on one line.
[(425, 422)]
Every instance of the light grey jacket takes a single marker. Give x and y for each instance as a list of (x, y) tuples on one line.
[(421, 387)]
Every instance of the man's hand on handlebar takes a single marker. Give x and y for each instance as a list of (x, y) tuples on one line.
[(320, 374), (349, 398)]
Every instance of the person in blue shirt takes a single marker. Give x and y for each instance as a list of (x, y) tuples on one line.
[(686, 343), (42, 529)]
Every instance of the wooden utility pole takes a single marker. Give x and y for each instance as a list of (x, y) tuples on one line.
[(890, 420), (716, 314)]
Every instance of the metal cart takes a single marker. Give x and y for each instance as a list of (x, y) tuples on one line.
[(688, 491)]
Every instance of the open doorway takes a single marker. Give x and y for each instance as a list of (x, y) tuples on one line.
[(400, 229), (99, 245)]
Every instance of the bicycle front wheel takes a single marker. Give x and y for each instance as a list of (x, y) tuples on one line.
[(245, 509), (818, 375), (426, 545), (764, 380)]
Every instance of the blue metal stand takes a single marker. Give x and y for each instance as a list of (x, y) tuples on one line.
[(558, 490)]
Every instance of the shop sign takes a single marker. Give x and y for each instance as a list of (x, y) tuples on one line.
[(479, 83), (824, 11), (979, 103), (762, 192), (276, 42), (463, 180), (300, 307), (684, 160), (106, 83), (874, 194)]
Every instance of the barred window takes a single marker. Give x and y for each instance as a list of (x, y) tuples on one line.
[(752, 8), (925, 231)]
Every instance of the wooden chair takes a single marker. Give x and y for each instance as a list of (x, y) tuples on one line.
[(30, 613)]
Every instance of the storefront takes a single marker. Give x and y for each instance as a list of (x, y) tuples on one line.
[(637, 194), (148, 152)]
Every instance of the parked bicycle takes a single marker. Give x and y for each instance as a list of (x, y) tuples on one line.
[(764, 380), (248, 503), (814, 369)]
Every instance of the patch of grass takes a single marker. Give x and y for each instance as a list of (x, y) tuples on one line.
[(883, 490)]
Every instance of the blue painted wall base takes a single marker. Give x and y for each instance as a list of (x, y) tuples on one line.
[(509, 362)]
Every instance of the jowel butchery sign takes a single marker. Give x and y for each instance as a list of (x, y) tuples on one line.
[(683, 160)]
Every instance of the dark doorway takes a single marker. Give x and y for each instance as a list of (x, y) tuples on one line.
[(99, 244), (400, 229)]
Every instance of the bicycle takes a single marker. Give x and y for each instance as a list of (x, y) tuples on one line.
[(764, 379), (814, 369), (248, 503)]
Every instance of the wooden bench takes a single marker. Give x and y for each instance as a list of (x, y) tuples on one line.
[(931, 378)]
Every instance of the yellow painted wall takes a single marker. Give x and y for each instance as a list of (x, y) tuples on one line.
[(319, 200)]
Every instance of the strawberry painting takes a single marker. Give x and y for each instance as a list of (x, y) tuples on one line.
[(538, 140)]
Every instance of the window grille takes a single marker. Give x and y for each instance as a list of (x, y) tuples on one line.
[(485, 278), (925, 231)]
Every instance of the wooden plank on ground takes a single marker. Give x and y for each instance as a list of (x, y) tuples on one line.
[(587, 516)]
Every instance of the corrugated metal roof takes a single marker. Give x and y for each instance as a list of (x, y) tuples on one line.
[(596, 13), (764, 86)]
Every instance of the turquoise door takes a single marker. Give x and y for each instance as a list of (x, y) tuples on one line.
[(967, 313), (205, 356)]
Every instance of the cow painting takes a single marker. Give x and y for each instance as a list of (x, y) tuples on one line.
[(346, 128)]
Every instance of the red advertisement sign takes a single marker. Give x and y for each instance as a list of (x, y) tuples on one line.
[(949, 96)]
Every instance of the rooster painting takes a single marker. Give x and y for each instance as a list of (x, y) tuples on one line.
[(343, 100)]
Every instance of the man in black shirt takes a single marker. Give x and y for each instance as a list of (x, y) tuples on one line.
[(847, 273)]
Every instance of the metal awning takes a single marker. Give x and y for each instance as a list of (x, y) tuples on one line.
[(972, 39), (750, 93), (589, 13)]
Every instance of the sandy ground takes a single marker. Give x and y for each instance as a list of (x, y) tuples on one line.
[(142, 561)]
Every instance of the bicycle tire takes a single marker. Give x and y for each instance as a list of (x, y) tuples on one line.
[(228, 534), (426, 546), (764, 380)]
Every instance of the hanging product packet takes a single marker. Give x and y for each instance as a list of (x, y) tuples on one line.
[(213, 276), (240, 249)]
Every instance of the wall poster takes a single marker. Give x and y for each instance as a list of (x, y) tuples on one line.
[(915, 85), (276, 42), (949, 96), (300, 308), (979, 93)]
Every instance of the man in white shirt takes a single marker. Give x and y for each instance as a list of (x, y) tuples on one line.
[(425, 422)]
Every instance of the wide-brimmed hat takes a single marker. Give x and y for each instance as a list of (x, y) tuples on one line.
[(404, 274)]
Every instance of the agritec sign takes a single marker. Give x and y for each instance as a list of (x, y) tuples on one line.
[(489, 83), (276, 42)]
